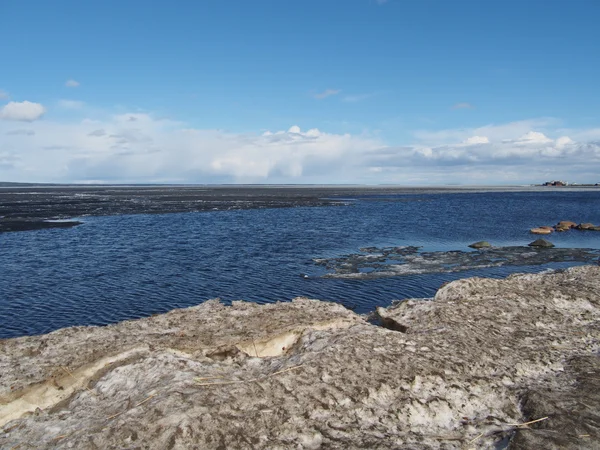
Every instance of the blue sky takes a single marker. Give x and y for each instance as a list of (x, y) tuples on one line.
[(400, 91)]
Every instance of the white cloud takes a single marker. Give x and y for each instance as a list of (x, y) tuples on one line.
[(563, 141), (22, 111), (149, 149), (326, 93), (474, 140), (71, 104), (531, 137), (72, 83), (3, 95)]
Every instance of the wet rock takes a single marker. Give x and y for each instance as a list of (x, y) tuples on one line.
[(480, 244), (9, 224), (542, 230), (541, 243), (586, 226), (482, 356), (409, 261), (566, 224)]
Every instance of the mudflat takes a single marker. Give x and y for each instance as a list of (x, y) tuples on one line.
[(30, 207)]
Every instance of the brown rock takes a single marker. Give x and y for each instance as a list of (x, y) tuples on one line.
[(586, 226), (566, 224), (542, 230)]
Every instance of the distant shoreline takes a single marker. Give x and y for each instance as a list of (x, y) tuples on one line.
[(29, 206)]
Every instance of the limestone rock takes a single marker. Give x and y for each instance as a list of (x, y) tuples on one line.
[(482, 355)]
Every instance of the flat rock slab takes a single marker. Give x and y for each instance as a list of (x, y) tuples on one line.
[(471, 365), (373, 262)]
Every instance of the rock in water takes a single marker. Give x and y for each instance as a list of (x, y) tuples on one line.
[(483, 355), (586, 226), (481, 244), (566, 224), (543, 243), (541, 230)]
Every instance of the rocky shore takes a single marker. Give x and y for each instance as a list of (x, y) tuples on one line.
[(486, 364)]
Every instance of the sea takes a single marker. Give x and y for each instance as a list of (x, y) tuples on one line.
[(121, 267)]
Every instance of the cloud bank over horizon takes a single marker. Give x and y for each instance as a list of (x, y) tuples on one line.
[(141, 147)]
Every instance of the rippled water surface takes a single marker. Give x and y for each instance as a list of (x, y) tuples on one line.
[(123, 267)]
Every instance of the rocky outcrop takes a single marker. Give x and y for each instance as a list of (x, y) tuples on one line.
[(481, 244), (541, 243), (375, 262), (465, 370)]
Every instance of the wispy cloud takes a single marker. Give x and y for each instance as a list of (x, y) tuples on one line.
[(326, 93), (72, 83), (3, 95), (20, 133), (463, 105), (71, 104)]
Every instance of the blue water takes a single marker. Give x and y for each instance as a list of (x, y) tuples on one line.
[(123, 267)]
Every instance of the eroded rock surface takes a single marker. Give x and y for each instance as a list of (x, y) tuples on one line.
[(469, 365), (373, 262)]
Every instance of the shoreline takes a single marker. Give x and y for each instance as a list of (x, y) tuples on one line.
[(482, 355), (26, 207)]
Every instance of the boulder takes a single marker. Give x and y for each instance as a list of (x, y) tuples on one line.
[(565, 224), (481, 244), (542, 230), (543, 243), (586, 226)]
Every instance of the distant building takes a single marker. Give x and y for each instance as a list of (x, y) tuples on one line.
[(556, 183)]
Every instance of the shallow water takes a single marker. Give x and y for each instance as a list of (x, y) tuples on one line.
[(122, 267)]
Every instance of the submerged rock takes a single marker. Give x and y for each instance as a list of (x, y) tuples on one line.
[(401, 261), (481, 244), (542, 243), (483, 356)]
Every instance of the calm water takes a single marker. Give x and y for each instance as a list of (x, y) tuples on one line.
[(124, 267)]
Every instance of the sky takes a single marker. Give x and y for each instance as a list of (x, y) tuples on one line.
[(406, 92)]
